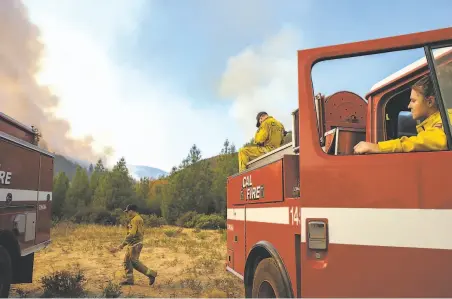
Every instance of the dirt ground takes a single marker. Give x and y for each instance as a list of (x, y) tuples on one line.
[(190, 263)]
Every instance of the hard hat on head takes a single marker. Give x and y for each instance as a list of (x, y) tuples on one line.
[(259, 116)]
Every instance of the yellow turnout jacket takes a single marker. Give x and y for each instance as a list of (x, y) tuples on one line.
[(430, 137), (270, 134)]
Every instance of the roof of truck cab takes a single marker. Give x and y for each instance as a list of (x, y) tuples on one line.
[(408, 69), (16, 123)]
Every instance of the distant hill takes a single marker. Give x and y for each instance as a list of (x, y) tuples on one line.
[(139, 171), (76, 161), (69, 166), (62, 164)]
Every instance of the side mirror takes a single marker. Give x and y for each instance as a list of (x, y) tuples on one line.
[(406, 125)]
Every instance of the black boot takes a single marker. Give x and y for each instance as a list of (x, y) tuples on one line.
[(151, 280)]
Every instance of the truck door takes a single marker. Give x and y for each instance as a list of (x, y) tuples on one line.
[(378, 225)]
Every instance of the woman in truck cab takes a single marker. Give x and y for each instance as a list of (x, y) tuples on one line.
[(430, 137)]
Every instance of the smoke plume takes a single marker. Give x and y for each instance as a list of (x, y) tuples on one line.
[(21, 97), (263, 78)]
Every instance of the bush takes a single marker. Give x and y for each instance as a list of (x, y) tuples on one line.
[(212, 221), (201, 221), (153, 220), (80, 216), (120, 216), (102, 216), (187, 219), (112, 290), (64, 284), (55, 221), (94, 216)]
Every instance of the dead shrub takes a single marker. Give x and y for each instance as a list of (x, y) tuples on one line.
[(64, 284)]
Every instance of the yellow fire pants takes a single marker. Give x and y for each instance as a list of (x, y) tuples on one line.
[(249, 153), (132, 261)]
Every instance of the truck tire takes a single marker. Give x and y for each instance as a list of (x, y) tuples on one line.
[(5, 272), (268, 281)]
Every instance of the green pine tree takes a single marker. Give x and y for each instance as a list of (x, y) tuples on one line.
[(60, 188), (189, 189), (103, 193), (79, 194), (142, 188), (122, 186), (98, 172)]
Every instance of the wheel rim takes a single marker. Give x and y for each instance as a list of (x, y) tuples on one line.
[(266, 290)]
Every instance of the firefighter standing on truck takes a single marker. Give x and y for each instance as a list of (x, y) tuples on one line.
[(430, 137), (269, 136), (133, 244)]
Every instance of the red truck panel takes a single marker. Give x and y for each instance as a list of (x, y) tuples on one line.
[(26, 182), (19, 193), (22, 163), (253, 220), (267, 223), (236, 239), (263, 184)]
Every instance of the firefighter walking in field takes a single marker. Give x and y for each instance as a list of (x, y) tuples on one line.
[(133, 243), (269, 136)]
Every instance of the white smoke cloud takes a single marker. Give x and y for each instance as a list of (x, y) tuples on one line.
[(139, 113), (21, 96), (264, 78), (76, 66)]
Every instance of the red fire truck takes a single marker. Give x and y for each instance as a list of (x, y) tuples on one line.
[(311, 219), (26, 178)]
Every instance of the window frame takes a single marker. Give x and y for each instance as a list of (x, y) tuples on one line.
[(428, 49), (384, 101), (372, 121)]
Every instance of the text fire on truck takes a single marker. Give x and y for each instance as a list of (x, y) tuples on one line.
[(249, 192)]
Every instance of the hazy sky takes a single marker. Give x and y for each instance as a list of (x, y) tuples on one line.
[(152, 77)]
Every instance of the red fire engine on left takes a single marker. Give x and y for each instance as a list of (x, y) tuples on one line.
[(26, 179)]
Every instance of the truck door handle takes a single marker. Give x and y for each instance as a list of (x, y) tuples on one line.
[(317, 235)]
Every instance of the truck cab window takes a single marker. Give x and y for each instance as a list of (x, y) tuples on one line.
[(394, 108), (399, 120)]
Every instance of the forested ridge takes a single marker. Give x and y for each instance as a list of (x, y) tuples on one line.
[(193, 194)]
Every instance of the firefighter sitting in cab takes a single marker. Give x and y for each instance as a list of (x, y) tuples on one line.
[(269, 136), (430, 137)]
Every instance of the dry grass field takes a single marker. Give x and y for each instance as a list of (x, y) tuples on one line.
[(190, 263)]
